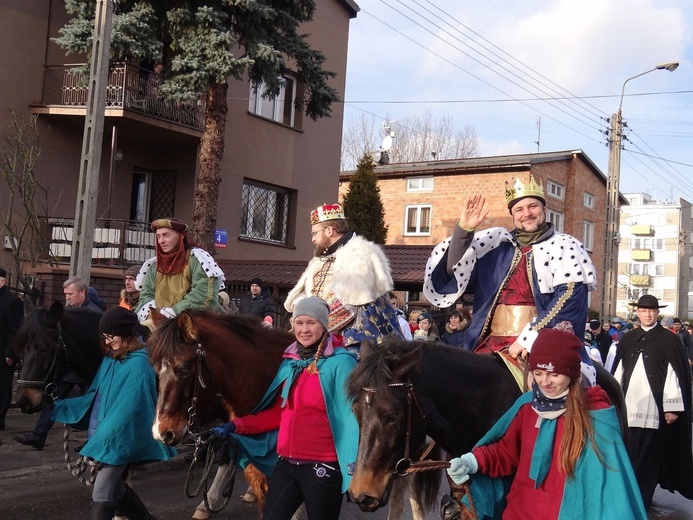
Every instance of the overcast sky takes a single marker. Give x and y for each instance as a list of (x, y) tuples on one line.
[(486, 63)]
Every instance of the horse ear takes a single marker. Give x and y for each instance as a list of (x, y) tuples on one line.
[(186, 327), (408, 360), (28, 307), (56, 311), (156, 316)]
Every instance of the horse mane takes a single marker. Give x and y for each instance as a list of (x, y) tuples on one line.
[(166, 340), (37, 321)]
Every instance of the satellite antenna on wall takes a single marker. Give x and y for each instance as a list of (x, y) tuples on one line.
[(386, 143)]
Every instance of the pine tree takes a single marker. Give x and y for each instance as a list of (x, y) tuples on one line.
[(204, 40), (362, 204)]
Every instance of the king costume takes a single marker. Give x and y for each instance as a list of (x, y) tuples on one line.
[(353, 277), (518, 290)]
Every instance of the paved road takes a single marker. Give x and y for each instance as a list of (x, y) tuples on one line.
[(35, 485)]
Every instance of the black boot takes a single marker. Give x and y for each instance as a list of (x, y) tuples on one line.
[(132, 507), (30, 439), (102, 511)]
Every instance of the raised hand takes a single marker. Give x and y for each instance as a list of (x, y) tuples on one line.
[(474, 212)]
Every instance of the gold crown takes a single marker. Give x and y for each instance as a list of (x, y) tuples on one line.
[(519, 190), (326, 212)]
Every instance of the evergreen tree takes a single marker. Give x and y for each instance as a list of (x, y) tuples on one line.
[(362, 204), (211, 41)]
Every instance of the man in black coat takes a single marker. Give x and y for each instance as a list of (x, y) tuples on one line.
[(11, 314), (686, 339), (653, 371), (601, 337), (258, 302)]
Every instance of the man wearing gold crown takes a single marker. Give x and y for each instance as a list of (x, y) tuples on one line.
[(524, 280), (181, 275), (352, 275)]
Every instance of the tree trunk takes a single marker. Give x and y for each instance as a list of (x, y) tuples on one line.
[(209, 167)]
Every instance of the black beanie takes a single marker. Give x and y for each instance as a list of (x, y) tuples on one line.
[(118, 321), (257, 281)]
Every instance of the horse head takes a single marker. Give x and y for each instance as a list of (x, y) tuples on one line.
[(391, 423), (39, 344)]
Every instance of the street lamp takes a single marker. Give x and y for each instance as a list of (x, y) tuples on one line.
[(612, 237)]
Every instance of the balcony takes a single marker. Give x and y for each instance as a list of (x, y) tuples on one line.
[(641, 254), (117, 243), (642, 230), (639, 280), (131, 92)]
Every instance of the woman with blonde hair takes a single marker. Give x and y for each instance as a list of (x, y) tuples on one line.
[(561, 443)]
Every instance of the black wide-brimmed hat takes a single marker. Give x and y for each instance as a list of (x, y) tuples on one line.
[(647, 301)]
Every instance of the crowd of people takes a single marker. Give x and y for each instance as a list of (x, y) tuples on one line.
[(554, 451)]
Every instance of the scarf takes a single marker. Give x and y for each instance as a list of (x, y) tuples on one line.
[(525, 238), (173, 262), (296, 366), (548, 409)]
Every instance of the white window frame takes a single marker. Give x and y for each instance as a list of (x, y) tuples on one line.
[(651, 243), (420, 183), (274, 108), (417, 215), (555, 190), (646, 268), (588, 200), (556, 218), (588, 235)]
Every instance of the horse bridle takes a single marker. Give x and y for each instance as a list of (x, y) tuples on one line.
[(405, 465), (199, 383), (49, 383)]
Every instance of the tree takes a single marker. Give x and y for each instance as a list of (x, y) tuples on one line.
[(362, 204), (210, 42), (417, 138), (20, 149)]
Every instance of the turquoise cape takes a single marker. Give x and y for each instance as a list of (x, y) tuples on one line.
[(261, 449), (125, 414), (607, 490)]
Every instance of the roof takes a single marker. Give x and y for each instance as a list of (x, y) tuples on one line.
[(352, 7), (407, 265)]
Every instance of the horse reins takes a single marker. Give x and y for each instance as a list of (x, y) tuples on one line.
[(199, 383)]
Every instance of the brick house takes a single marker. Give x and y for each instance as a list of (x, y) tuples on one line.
[(278, 165), (422, 199)]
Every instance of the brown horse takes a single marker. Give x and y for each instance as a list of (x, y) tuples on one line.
[(202, 354), (404, 391)]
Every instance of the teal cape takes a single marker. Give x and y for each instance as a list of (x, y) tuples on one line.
[(127, 390), (607, 490), (261, 449)]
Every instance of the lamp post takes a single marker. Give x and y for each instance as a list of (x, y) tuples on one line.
[(612, 237)]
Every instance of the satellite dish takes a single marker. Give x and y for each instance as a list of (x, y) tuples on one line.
[(387, 142), (376, 156)]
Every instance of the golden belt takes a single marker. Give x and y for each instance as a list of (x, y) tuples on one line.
[(509, 320)]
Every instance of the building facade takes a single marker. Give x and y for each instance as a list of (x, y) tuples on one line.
[(654, 255), (423, 200), (278, 164)]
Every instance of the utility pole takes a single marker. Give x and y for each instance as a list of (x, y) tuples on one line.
[(608, 309), (92, 141)]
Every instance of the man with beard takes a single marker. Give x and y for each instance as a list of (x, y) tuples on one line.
[(181, 275), (653, 371), (352, 275), (525, 280)]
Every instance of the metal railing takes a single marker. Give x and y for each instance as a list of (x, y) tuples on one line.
[(117, 243), (129, 87)]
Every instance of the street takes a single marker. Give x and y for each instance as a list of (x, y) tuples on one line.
[(36, 485)]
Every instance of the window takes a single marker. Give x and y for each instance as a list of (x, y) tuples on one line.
[(264, 212), (417, 220), (588, 234), (588, 200), (646, 268), (554, 189), (420, 184), (555, 218), (281, 108), (656, 244)]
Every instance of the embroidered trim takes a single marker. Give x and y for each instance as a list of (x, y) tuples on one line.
[(556, 308), (517, 255)]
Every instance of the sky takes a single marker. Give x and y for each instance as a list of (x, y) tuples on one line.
[(499, 65)]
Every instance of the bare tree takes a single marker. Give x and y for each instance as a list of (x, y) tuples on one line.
[(20, 149), (417, 137)]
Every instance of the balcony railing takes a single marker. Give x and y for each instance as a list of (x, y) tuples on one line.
[(116, 242), (129, 87), (639, 280)]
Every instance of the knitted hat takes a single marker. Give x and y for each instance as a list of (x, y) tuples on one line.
[(556, 351), (118, 321), (257, 281), (171, 223), (677, 320), (424, 316), (315, 308), (595, 324), (132, 271)]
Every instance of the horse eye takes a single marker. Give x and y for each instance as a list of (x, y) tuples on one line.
[(391, 418), (183, 373)]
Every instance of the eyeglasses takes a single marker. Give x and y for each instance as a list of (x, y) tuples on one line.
[(107, 337), (313, 233)]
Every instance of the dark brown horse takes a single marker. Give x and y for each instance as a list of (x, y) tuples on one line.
[(202, 354), (454, 397)]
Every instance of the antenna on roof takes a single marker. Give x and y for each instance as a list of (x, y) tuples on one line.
[(538, 141)]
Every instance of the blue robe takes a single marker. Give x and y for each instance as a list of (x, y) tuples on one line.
[(127, 404)]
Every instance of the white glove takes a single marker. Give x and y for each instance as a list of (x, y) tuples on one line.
[(461, 467), (168, 312)]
